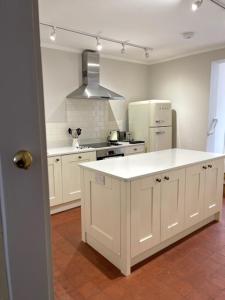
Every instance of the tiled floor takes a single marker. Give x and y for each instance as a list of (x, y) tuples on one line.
[(192, 269)]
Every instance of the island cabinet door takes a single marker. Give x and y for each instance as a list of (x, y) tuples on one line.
[(172, 203), (214, 186), (145, 214), (55, 180), (103, 210), (194, 195), (71, 174)]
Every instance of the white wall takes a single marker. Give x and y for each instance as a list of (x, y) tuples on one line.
[(186, 81), (62, 74)]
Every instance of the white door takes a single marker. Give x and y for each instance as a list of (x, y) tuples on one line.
[(194, 195), (216, 121), (160, 138), (145, 214), (213, 187), (23, 192), (172, 203), (71, 174), (55, 180)]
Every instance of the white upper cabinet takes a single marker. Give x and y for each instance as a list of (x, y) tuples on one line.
[(213, 187), (194, 196), (172, 203), (71, 174), (145, 214), (55, 180)]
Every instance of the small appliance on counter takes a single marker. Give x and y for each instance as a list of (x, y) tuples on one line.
[(75, 133), (125, 136), (113, 136)]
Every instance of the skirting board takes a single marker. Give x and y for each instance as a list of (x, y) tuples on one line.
[(65, 206), (116, 259), (107, 253), (172, 240)]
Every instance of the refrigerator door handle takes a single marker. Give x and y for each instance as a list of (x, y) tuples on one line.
[(160, 132)]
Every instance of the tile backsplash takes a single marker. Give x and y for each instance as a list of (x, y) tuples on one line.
[(62, 74), (94, 117)]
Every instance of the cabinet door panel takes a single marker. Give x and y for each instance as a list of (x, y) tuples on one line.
[(134, 150), (214, 187), (71, 174), (103, 210), (172, 203), (55, 180), (194, 195), (145, 215)]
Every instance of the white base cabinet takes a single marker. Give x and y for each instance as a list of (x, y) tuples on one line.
[(145, 214), (64, 180), (55, 180), (135, 149), (71, 174), (203, 191), (128, 221), (172, 203)]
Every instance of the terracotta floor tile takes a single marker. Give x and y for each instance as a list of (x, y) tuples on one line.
[(191, 269)]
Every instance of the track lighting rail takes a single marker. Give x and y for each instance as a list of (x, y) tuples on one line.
[(98, 37)]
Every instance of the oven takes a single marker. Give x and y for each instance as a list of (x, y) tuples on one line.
[(109, 153)]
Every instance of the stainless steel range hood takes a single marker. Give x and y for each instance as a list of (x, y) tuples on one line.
[(91, 89)]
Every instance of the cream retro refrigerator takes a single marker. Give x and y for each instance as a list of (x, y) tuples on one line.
[(151, 121)]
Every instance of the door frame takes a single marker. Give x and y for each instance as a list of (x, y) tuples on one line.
[(213, 118), (26, 241)]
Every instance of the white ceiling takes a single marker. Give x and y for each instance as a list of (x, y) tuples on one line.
[(153, 23)]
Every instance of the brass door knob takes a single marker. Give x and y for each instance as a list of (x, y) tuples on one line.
[(23, 159)]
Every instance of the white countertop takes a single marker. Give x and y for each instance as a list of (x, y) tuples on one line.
[(135, 166), (72, 150)]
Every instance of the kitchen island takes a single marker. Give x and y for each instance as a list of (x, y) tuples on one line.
[(132, 207)]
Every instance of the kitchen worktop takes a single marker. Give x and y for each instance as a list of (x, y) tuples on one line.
[(131, 167), (70, 150)]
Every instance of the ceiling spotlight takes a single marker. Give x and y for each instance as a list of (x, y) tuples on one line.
[(147, 53), (123, 50), (99, 45), (53, 34), (196, 4)]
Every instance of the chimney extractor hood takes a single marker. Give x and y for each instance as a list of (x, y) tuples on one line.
[(91, 89)]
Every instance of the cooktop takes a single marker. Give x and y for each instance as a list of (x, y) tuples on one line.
[(101, 145)]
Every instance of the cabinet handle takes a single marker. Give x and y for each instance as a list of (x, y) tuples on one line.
[(204, 167), (166, 178), (57, 160), (158, 180), (79, 157), (135, 149), (210, 166)]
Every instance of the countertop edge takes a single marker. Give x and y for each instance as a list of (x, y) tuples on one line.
[(91, 149), (127, 179)]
